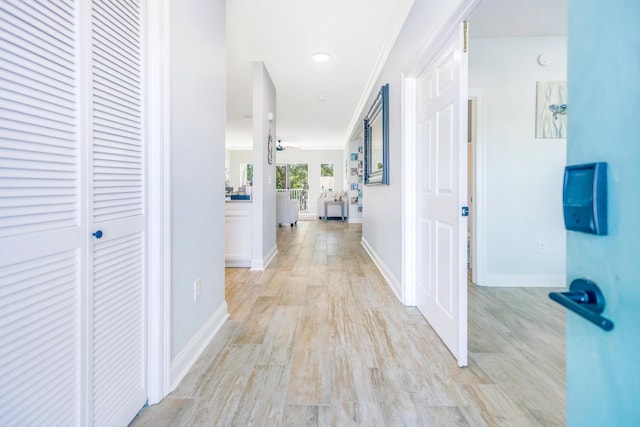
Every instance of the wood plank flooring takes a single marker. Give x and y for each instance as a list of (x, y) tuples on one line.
[(319, 339)]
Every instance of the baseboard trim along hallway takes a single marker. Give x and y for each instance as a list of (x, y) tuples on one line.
[(185, 360)]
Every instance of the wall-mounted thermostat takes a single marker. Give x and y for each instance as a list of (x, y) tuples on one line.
[(584, 198)]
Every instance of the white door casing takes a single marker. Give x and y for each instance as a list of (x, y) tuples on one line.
[(72, 161), (441, 291)]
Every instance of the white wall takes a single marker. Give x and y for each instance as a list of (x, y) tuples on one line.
[(198, 102), (523, 178), (264, 174)]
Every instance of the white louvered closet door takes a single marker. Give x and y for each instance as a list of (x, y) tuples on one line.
[(72, 306), (42, 233), (117, 193)]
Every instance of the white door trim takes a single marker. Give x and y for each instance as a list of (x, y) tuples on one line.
[(159, 202), (478, 192), (409, 193)]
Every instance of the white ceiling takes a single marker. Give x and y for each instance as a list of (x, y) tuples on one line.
[(284, 34)]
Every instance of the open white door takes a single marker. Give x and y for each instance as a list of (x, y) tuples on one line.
[(441, 293)]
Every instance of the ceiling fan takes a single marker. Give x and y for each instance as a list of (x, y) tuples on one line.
[(279, 147)]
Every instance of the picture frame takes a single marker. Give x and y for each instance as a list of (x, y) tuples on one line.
[(270, 148), (376, 140), (551, 109)]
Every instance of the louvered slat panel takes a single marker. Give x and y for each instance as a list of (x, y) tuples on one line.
[(38, 144), (118, 338), (40, 201), (35, 80), (117, 110), (128, 107), (43, 102), (38, 362), (116, 153), (47, 16)]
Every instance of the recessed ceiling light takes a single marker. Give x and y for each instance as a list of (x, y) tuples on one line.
[(320, 57), (322, 98)]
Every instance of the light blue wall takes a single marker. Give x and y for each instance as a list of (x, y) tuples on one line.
[(603, 372), (198, 111)]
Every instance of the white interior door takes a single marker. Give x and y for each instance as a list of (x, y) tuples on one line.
[(441, 294), (117, 201), (42, 231), (72, 306)]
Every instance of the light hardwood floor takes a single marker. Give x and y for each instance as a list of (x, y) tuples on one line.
[(318, 338)]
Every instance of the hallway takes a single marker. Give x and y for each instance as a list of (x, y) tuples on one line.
[(319, 339)]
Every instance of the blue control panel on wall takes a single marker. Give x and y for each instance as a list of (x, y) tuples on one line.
[(584, 198)]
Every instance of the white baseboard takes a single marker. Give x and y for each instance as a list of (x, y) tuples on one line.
[(188, 356), (391, 279), (237, 263), (355, 220), (524, 280), (261, 264)]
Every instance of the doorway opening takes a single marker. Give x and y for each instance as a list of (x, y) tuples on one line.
[(472, 104)]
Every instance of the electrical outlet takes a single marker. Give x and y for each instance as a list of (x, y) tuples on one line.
[(542, 246), (196, 290)]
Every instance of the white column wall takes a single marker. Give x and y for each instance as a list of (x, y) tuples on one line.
[(264, 174)]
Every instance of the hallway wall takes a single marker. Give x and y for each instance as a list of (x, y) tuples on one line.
[(382, 211), (198, 103)]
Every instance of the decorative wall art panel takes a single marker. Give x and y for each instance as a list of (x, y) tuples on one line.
[(551, 109)]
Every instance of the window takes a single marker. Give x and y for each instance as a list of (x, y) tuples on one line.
[(326, 169), (298, 175), (281, 177), (246, 174), (293, 175), (326, 176)]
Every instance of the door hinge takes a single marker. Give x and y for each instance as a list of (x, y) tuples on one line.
[(466, 35), (465, 211)]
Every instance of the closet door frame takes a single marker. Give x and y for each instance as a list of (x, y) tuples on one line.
[(157, 69)]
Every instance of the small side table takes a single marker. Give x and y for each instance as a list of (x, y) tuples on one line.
[(328, 203)]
